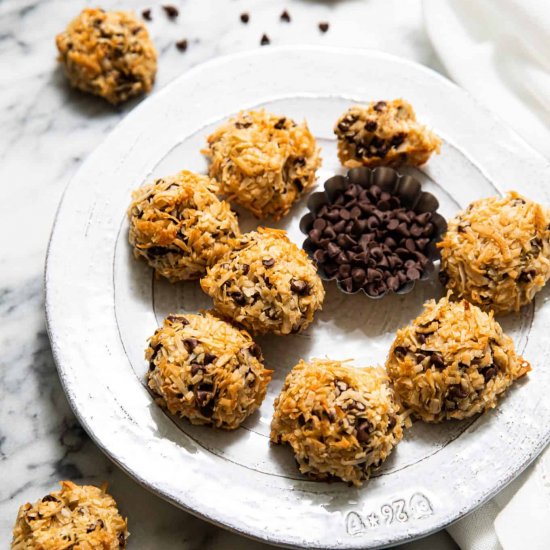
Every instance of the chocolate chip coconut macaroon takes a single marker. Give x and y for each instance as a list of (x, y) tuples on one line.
[(341, 421), (74, 517), (383, 133), (108, 54), (452, 362), (496, 253), (206, 370), (180, 227), (264, 162), (266, 283)]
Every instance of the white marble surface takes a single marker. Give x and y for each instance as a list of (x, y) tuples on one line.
[(47, 130)]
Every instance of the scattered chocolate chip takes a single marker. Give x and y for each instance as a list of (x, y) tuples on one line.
[(190, 344), (146, 14), (121, 540), (171, 11), (380, 106), (363, 430), (49, 498), (323, 27), (265, 40), (280, 124), (245, 18), (391, 423), (285, 16), (268, 262), (181, 45)]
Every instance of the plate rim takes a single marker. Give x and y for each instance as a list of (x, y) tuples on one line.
[(51, 322)]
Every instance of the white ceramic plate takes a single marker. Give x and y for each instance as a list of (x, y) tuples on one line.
[(102, 305)]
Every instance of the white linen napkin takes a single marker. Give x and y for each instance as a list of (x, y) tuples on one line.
[(518, 518), (499, 50)]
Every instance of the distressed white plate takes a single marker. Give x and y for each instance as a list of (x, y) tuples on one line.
[(102, 305)]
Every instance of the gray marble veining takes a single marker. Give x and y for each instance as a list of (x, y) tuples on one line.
[(47, 130)]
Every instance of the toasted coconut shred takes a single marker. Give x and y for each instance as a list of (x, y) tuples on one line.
[(263, 162), (108, 54), (180, 227), (341, 421), (76, 517), (266, 283), (453, 361), (383, 133), (496, 253), (206, 370)]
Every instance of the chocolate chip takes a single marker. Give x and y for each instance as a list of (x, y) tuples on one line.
[(299, 287), (49, 498), (190, 344), (209, 358), (413, 274), (196, 368), (181, 45), (177, 319), (397, 140), (280, 124), (265, 40), (238, 297), (323, 27), (489, 372), (203, 398), (363, 430), (171, 11), (380, 106), (255, 351), (400, 352), (344, 271), (437, 361), (371, 125), (285, 16), (393, 283), (146, 14), (319, 224), (121, 540), (457, 392), (391, 423), (268, 262), (245, 18)]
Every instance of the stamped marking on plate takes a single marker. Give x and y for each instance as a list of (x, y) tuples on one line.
[(400, 510)]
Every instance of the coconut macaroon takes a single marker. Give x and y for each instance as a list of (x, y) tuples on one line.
[(340, 421), (266, 283), (263, 162), (383, 133), (75, 517), (496, 253), (206, 370), (452, 361), (108, 54), (180, 227)]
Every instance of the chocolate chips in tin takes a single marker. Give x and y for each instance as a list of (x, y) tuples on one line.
[(373, 230)]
